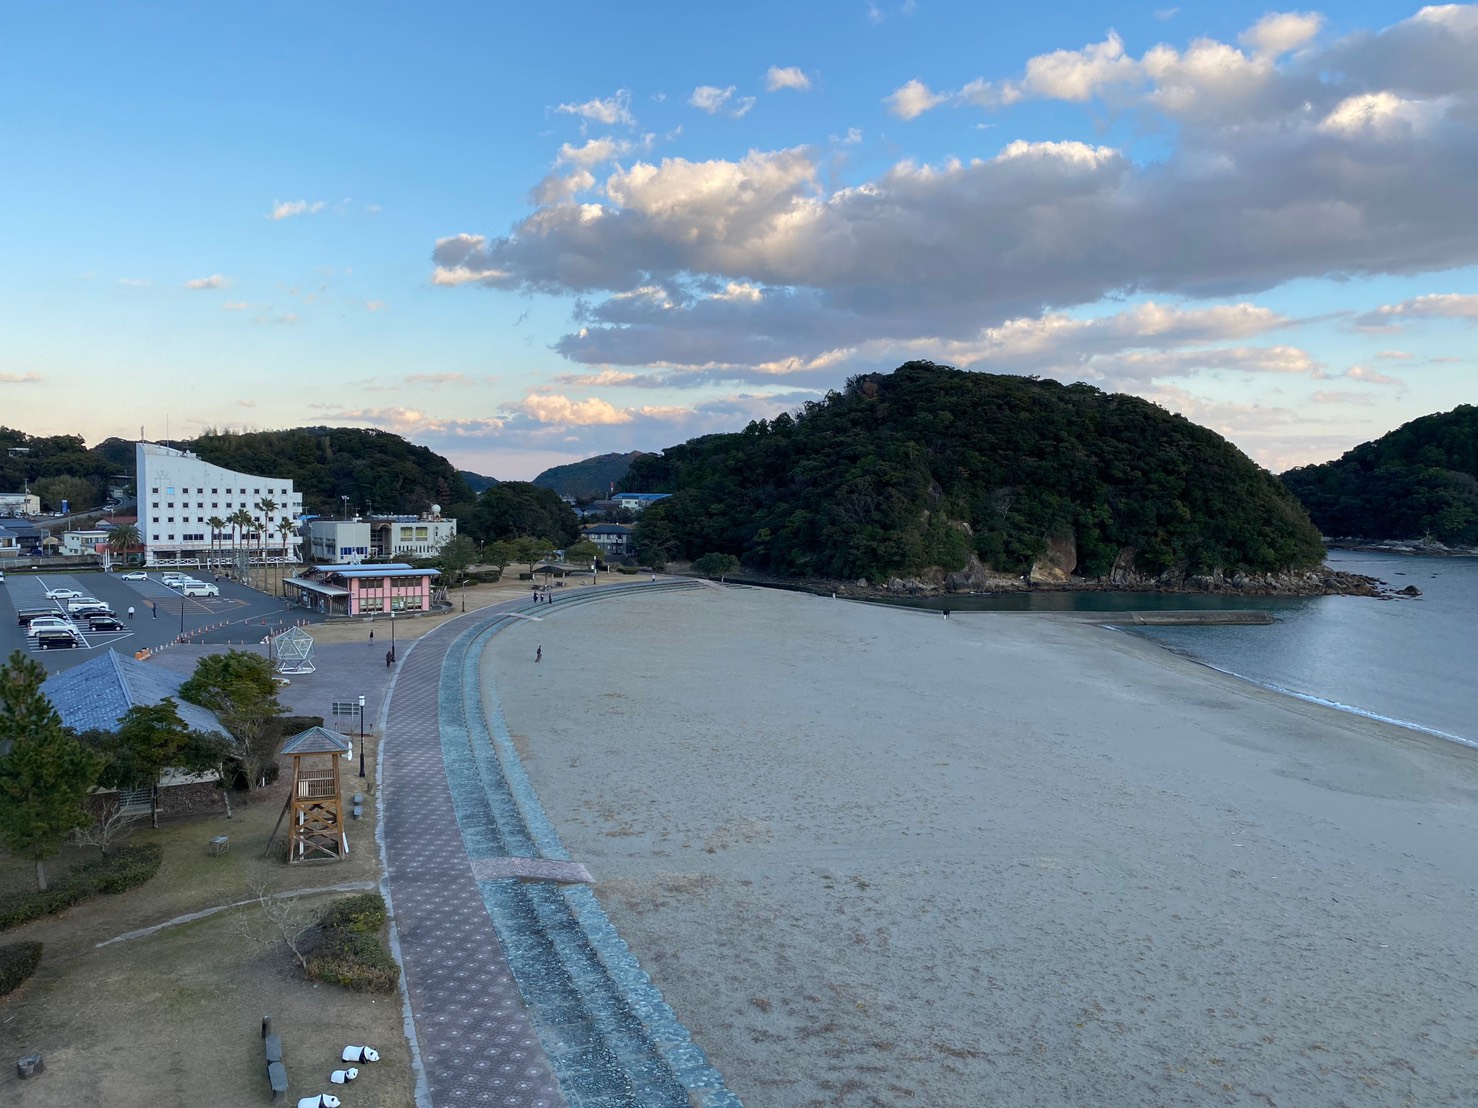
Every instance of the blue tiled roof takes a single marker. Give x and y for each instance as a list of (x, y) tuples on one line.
[(97, 694)]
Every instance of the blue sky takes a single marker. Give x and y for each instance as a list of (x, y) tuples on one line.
[(526, 237)]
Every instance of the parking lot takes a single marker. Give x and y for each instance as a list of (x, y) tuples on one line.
[(161, 615)]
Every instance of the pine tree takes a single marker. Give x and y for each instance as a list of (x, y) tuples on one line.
[(45, 773)]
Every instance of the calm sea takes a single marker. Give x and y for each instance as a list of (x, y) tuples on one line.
[(1409, 661)]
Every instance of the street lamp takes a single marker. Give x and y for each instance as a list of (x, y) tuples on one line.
[(361, 734), (345, 513)]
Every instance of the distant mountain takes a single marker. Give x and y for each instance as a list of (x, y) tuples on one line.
[(476, 481), (591, 479), (1419, 480), (934, 471)]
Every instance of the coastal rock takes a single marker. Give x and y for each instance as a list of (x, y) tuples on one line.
[(1409, 590), (1055, 566)]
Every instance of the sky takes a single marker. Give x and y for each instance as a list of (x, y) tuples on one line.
[(525, 235)]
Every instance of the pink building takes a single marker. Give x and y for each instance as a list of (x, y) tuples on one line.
[(364, 590)]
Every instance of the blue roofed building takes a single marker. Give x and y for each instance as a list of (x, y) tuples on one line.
[(96, 695)]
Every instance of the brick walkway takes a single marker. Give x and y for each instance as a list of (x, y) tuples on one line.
[(477, 1043)]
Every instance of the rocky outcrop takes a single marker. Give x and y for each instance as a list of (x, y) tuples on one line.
[(1056, 564)]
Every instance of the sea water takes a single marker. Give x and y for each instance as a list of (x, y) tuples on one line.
[(1412, 661)]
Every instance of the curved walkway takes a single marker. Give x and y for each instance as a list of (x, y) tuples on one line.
[(520, 991)]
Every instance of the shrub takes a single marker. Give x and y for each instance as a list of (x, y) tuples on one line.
[(364, 914), (17, 962), (351, 953), (117, 873), (355, 961), (626, 569)]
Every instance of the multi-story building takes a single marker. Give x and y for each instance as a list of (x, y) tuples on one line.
[(19, 504), (179, 495), (614, 539), (639, 501), (350, 541), (338, 541)]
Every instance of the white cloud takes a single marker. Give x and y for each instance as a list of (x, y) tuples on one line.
[(555, 188), (1445, 305), (913, 99), (236, 306), (593, 152), (1077, 75), (135, 282), (615, 109), (214, 281), (374, 305), (714, 100), (1285, 158), (1280, 32), (1370, 376), (564, 412), (791, 77), (29, 377), (286, 209)]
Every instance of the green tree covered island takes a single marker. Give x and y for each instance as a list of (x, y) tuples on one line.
[(1419, 481), (934, 470)]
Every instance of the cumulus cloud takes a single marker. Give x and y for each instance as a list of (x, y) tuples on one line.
[(1284, 157), (714, 100), (593, 152), (26, 378), (214, 281), (792, 77), (913, 99), (1371, 377), (286, 209), (614, 109)]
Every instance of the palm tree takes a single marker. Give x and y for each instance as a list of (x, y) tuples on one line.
[(216, 524), (238, 519), (123, 538), (266, 506)]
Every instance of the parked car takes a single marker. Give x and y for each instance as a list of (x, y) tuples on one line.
[(59, 640), (2, 577), (49, 623), (77, 603), (87, 611), (134, 575), (199, 588), (104, 623), (25, 615), (62, 594)]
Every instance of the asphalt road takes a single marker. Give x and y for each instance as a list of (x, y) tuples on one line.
[(161, 615)]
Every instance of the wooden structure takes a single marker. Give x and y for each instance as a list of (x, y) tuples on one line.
[(314, 803)]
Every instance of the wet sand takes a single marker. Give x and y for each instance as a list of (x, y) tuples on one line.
[(874, 857)]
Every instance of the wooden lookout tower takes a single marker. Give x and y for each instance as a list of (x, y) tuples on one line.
[(314, 801)]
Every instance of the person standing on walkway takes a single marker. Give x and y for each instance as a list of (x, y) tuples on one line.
[(155, 609), (389, 658), (130, 611), (539, 654), (372, 634)]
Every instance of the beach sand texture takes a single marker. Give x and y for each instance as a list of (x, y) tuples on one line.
[(874, 857)]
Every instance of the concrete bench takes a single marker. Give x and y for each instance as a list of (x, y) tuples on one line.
[(276, 1070)]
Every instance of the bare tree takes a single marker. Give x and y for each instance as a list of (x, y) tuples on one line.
[(279, 919), (110, 828)]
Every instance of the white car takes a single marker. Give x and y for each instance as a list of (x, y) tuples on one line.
[(136, 575), (62, 594), (198, 588), (49, 623), (2, 577)]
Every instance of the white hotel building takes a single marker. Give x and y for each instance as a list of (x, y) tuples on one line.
[(178, 495)]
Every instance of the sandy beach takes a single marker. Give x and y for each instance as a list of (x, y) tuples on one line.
[(874, 857)]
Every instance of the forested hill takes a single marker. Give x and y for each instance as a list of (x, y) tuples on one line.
[(927, 465), (590, 479), (377, 470), (1420, 480)]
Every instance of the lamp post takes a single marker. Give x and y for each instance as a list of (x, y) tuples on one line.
[(361, 734), (345, 513)]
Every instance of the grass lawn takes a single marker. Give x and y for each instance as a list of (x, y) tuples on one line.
[(175, 1017)]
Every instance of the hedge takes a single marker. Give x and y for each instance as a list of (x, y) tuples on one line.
[(120, 871), (350, 952), (17, 962)]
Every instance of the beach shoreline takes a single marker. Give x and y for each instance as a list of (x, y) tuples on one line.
[(875, 856)]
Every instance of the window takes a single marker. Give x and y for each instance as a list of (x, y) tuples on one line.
[(171, 538), (154, 504), (156, 519), (214, 504), (168, 489), (154, 490), (214, 491), (199, 491), (171, 520)]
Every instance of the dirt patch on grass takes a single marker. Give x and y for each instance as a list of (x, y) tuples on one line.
[(174, 1017)]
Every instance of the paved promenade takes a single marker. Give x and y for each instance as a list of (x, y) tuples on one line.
[(521, 993)]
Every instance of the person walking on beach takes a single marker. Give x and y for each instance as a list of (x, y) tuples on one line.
[(539, 654), (372, 634)]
